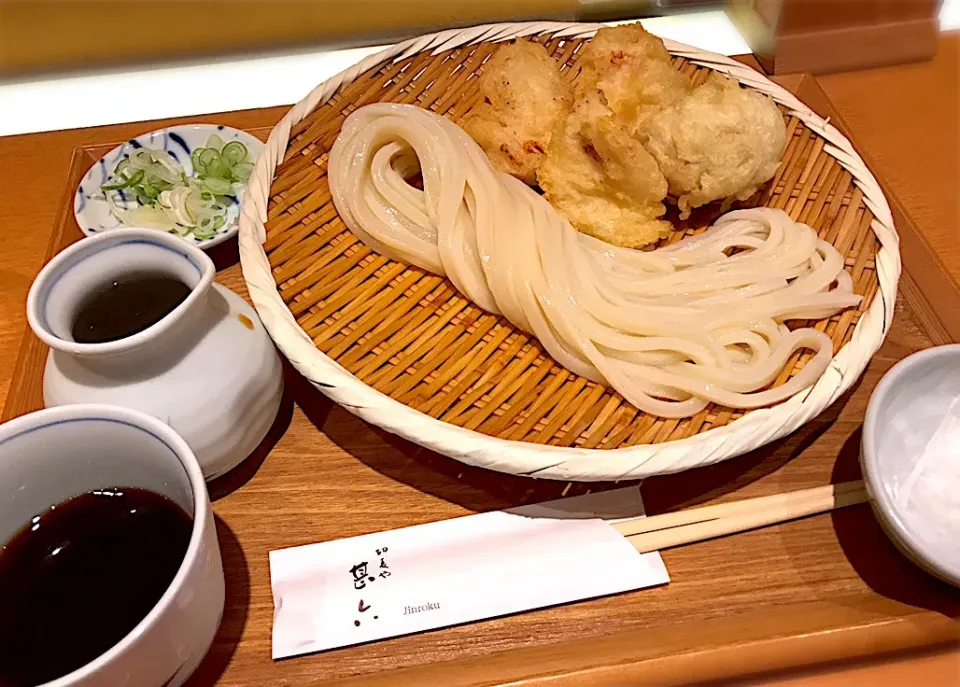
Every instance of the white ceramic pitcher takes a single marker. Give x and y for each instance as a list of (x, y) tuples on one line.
[(208, 368)]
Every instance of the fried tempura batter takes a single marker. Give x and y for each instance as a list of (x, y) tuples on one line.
[(524, 99), (632, 71), (637, 128), (600, 178), (721, 141)]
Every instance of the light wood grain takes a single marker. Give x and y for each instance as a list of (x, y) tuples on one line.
[(936, 668), (691, 525), (906, 122), (825, 588), (931, 281)]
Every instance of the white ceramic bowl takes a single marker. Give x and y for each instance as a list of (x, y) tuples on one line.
[(208, 368), (52, 455), (911, 458), (91, 209)]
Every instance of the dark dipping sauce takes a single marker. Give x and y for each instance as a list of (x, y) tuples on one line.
[(76, 579), (126, 306)]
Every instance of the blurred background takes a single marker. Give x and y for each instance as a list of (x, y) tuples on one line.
[(77, 63), (43, 35)]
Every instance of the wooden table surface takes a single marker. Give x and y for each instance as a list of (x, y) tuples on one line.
[(32, 172), (907, 121)]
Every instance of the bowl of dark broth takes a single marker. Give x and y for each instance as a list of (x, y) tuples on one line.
[(110, 572), (85, 572)]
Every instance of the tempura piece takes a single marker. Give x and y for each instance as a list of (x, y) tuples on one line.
[(631, 69), (524, 99), (721, 141), (602, 180)]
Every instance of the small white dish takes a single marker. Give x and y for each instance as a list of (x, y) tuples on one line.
[(910, 456), (91, 208)]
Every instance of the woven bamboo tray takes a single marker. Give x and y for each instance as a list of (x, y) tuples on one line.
[(404, 350)]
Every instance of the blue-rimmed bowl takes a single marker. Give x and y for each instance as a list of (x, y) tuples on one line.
[(55, 454), (90, 206)]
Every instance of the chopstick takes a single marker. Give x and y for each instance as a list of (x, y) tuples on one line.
[(708, 522)]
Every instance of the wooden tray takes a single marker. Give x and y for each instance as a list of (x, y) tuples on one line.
[(825, 588)]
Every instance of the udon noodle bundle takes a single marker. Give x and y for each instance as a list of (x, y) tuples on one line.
[(671, 330)]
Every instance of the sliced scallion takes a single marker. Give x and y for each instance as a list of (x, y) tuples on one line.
[(117, 184), (234, 152), (207, 157), (242, 171), (168, 198), (219, 186), (215, 142)]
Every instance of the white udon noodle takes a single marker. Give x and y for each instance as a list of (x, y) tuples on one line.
[(670, 329)]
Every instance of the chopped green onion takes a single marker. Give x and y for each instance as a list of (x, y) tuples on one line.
[(215, 142), (219, 186), (207, 157), (234, 152), (136, 178), (168, 198), (124, 182), (242, 171), (116, 185), (215, 169)]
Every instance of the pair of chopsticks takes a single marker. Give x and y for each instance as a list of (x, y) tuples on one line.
[(708, 522)]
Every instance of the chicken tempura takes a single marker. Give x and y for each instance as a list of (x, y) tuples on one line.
[(631, 70), (721, 141), (602, 180), (525, 97)]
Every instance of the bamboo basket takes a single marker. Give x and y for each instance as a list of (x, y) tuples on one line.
[(403, 350)]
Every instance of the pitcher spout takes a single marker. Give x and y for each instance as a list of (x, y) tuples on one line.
[(66, 285)]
